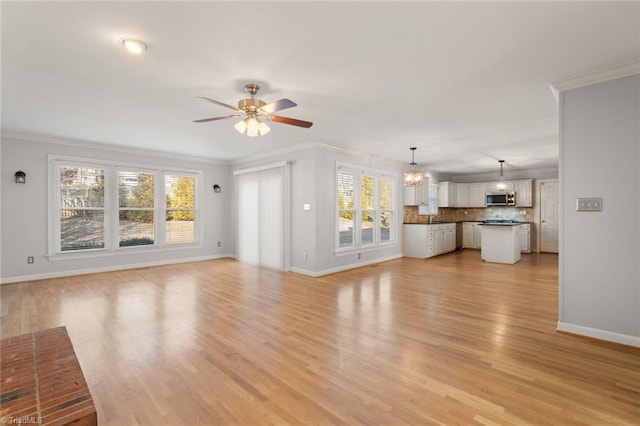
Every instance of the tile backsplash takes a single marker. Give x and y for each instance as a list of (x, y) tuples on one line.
[(469, 214)]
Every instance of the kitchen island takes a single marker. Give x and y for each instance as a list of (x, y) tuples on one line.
[(500, 242)]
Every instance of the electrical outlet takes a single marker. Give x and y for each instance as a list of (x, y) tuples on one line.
[(589, 204), (30, 259), (359, 256), (219, 243), (305, 255)]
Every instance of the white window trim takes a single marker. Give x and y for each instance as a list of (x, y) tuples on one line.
[(377, 174), (111, 208)]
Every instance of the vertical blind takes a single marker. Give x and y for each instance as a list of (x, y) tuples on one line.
[(261, 217)]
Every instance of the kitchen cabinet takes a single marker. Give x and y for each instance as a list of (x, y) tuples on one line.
[(523, 193), (447, 194), (462, 194), (427, 240), (493, 186), (525, 238), (478, 194), (500, 243), (471, 235), (416, 195), (449, 239)]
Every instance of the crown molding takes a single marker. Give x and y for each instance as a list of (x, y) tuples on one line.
[(597, 76), (108, 147), (311, 145)]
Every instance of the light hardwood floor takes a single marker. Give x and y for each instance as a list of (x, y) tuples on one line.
[(448, 340)]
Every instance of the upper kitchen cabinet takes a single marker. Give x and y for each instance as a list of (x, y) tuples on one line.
[(523, 193), (462, 194), (471, 194), (493, 186), (416, 195), (478, 194), (447, 194)]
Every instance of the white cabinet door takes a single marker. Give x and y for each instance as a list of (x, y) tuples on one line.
[(439, 241), (409, 196), (449, 240), (523, 193), (471, 234), (447, 194), (525, 238), (468, 235), (477, 194), (478, 236), (462, 194), (416, 195)]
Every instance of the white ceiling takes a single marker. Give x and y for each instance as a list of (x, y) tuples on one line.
[(467, 83)]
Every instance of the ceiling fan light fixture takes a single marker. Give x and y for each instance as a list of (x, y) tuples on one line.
[(252, 127), (241, 126), (135, 47), (253, 109), (263, 128)]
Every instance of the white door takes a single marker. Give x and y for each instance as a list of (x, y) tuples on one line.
[(262, 216), (549, 217)]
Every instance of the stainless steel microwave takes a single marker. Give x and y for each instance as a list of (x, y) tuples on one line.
[(501, 199)]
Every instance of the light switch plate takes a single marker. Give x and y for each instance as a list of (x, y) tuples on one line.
[(589, 204)]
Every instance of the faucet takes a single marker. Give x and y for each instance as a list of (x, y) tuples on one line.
[(431, 217)]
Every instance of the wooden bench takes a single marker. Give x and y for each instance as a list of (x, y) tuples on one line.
[(41, 381)]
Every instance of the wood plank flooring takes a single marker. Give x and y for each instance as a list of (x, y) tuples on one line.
[(447, 340)]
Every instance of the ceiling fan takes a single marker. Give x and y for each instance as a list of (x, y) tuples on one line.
[(255, 109)]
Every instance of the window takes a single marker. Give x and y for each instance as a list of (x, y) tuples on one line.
[(365, 208), (136, 204), (180, 193), (345, 209), (433, 198), (81, 211), (106, 207)]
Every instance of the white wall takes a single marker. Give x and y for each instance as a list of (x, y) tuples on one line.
[(313, 231), (600, 252), (24, 223)]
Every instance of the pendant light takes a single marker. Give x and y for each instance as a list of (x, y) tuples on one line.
[(414, 177), (501, 186)]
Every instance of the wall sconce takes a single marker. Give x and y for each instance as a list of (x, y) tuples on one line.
[(21, 177), (216, 188)]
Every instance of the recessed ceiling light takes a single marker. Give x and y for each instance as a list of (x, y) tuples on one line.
[(133, 46)]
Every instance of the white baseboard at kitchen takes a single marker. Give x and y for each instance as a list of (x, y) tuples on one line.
[(595, 333), (317, 274)]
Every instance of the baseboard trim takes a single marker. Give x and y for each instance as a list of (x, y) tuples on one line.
[(316, 274), (595, 333), (60, 274)]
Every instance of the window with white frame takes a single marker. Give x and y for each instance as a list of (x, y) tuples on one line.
[(433, 198), (107, 207), (81, 208), (365, 208), (179, 194)]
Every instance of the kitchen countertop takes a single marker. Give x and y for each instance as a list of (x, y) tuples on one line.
[(427, 223), (502, 224)]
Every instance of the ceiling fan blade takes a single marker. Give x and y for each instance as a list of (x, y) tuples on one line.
[(216, 118), (283, 103), (219, 103), (292, 121)]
